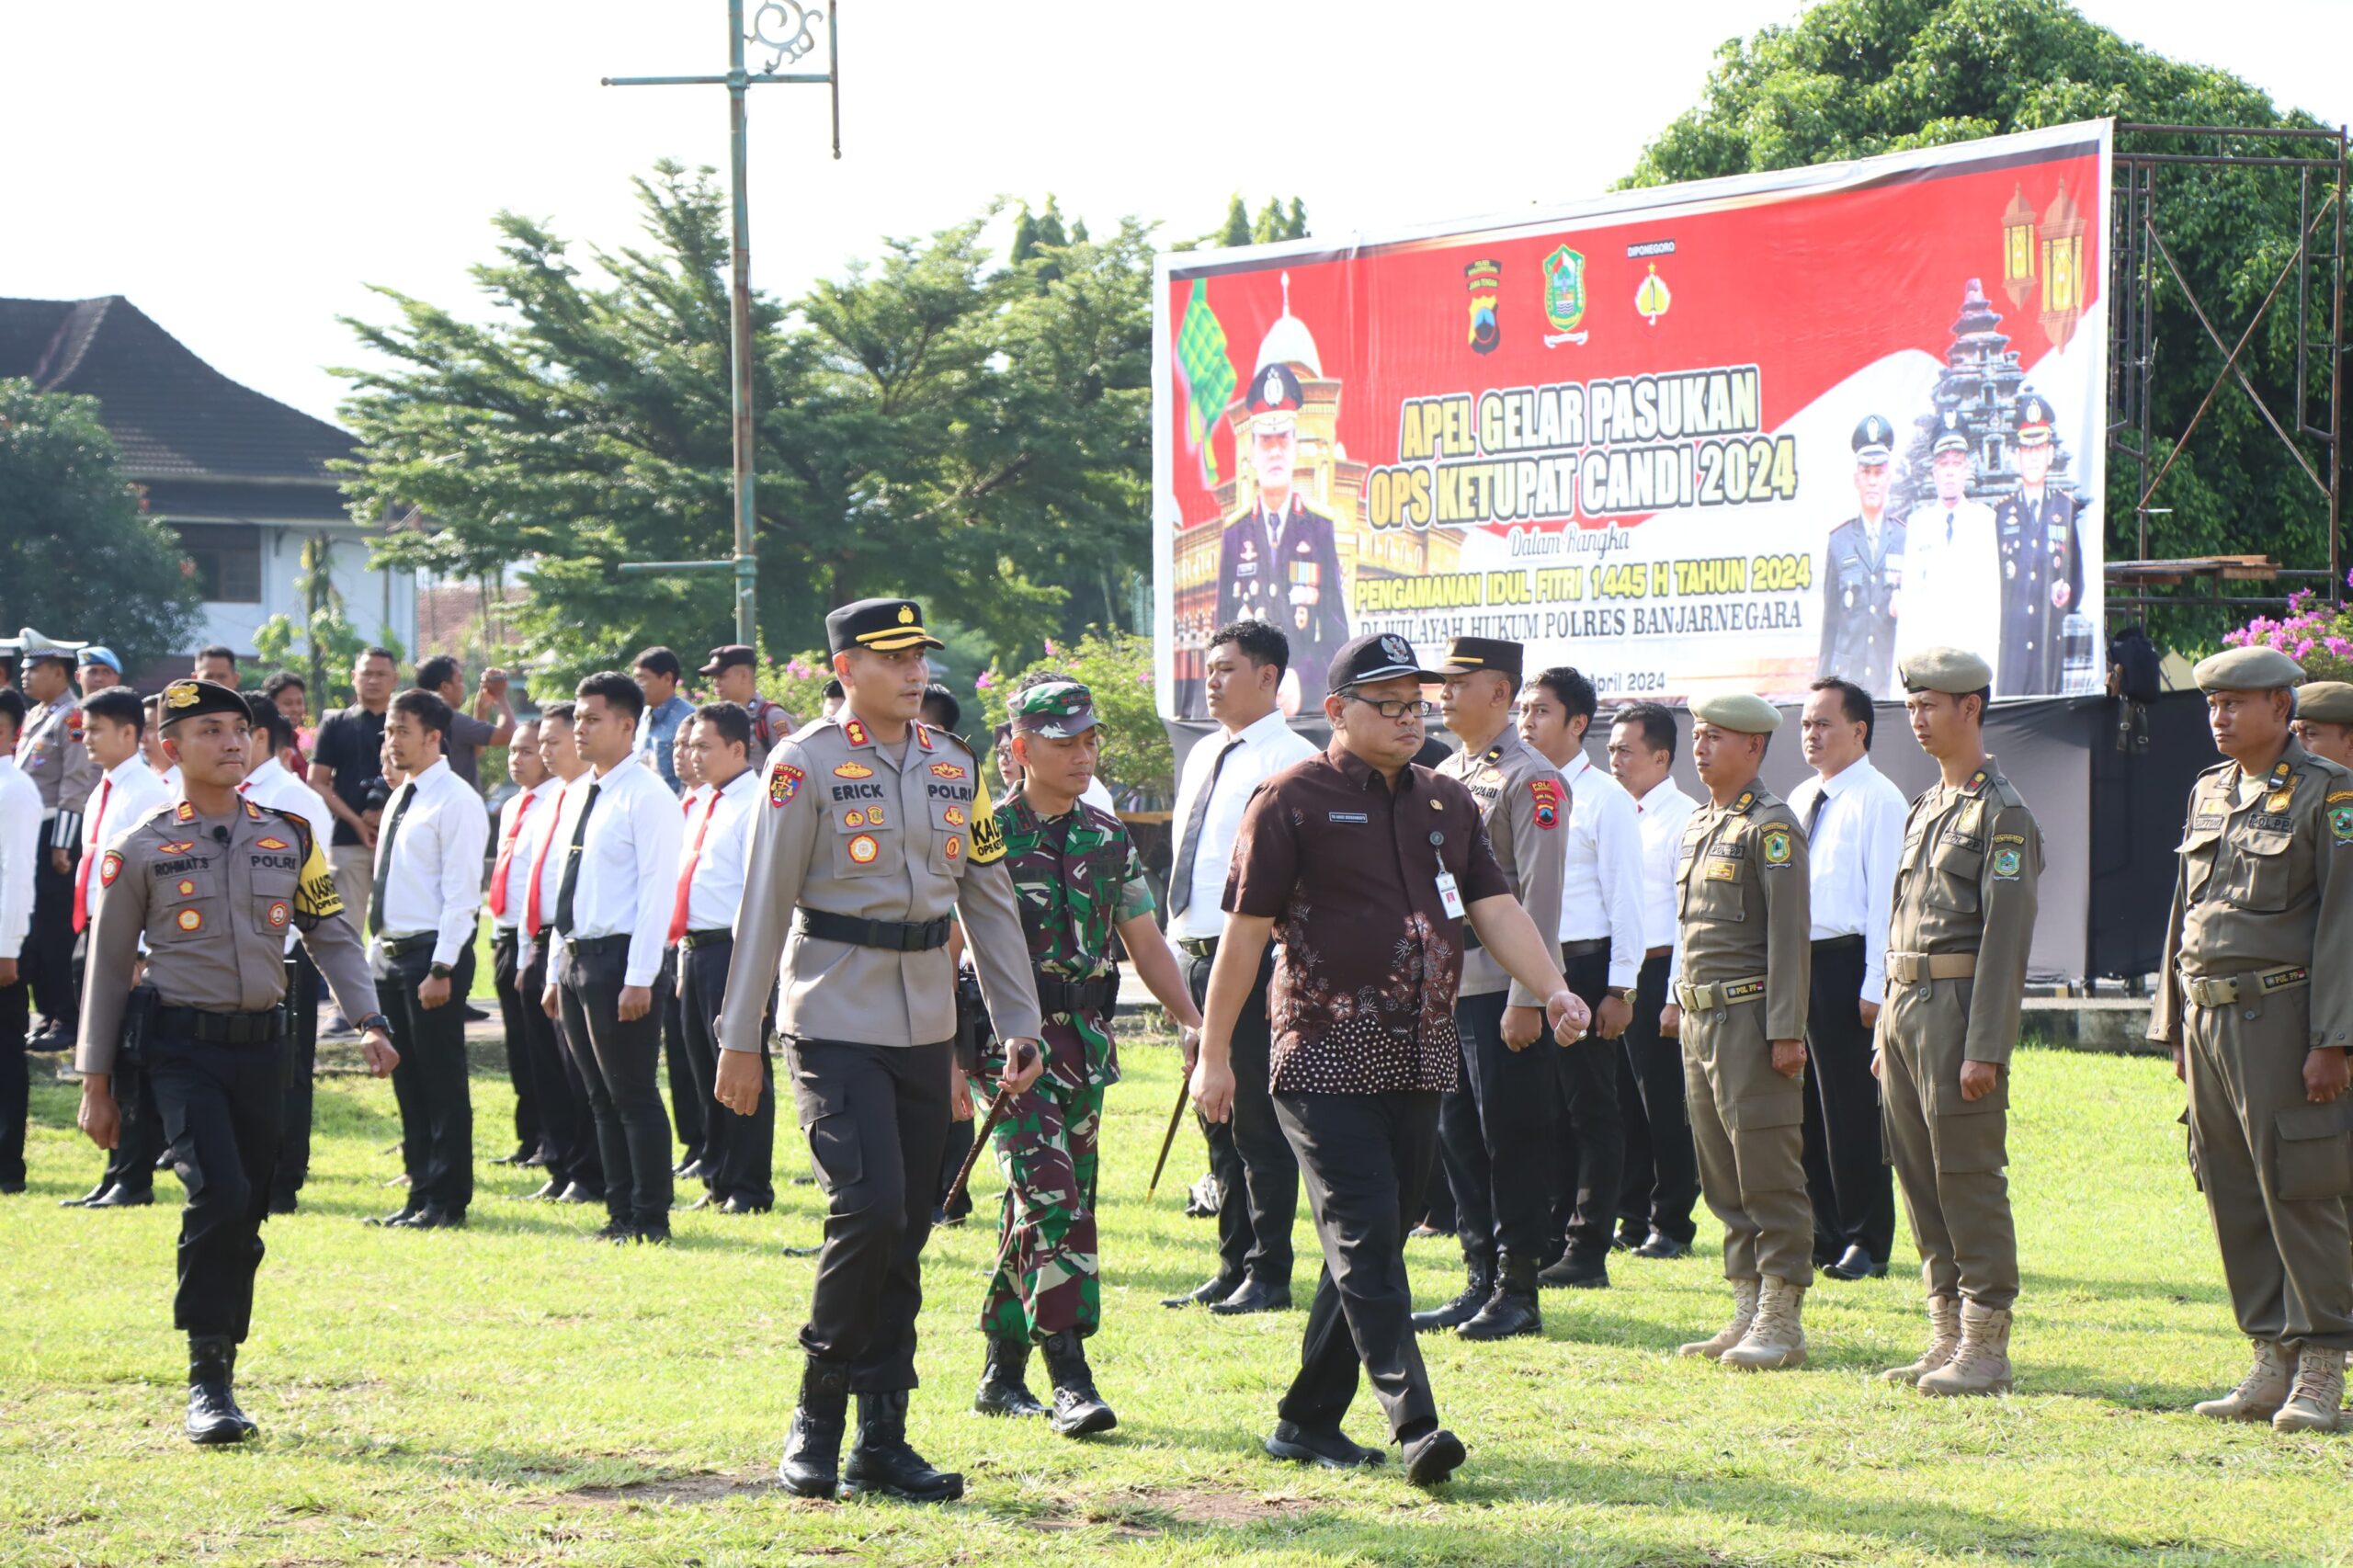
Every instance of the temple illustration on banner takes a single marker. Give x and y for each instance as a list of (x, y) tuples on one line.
[(1276, 568)]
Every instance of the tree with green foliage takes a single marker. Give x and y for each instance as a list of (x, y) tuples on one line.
[(1117, 667), (1851, 78), (79, 558), (1237, 229), (325, 639)]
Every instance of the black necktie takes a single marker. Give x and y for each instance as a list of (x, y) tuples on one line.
[(1948, 527), (1189, 848), (572, 864), (1813, 812), (384, 860)]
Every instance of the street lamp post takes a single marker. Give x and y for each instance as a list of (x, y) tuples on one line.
[(781, 25)]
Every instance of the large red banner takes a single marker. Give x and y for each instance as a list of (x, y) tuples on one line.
[(1732, 435)]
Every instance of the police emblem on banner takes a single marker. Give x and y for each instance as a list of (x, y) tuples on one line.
[(1564, 297), (1485, 280)]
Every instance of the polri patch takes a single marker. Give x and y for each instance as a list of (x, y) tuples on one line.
[(110, 867), (1547, 792), (784, 782), (277, 915)]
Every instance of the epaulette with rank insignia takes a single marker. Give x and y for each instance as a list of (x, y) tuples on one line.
[(1744, 806)]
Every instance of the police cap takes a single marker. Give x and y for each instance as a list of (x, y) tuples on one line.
[(882, 626), (2325, 703), (1956, 672), (1743, 711), (95, 653), (2247, 669), (1057, 708), (193, 699), (1467, 654), (2034, 420), (727, 657), (1952, 436), (1275, 400), (1875, 438), (1376, 655)]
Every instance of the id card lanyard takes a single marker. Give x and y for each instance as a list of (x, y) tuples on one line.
[(1449, 895)]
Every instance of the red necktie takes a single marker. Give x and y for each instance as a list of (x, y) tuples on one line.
[(687, 877), (531, 921), (506, 858), (90, 853)]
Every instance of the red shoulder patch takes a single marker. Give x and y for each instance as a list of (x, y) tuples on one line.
[(1547, 794), (784, 782), (110, 867)]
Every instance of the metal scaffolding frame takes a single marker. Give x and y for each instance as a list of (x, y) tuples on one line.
[(2140, 262)]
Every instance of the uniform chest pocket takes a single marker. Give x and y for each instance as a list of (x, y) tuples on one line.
[(2196, 851), (272, 900), (1953, 871), (951, 836), (2262, 870), (186, 906), (866, 839), (1716, 891)]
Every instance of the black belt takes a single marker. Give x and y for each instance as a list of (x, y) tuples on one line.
[(398, 946), (577, 945), (506, 935), (890, 936), (1198, 947), (222, 1029), (1056, 994), (1585, 948), (1839, 944), (689, 941)]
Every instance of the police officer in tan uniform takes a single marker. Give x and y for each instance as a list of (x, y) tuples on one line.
[(212, 883), (877, 832), (1495, 1131), (1958, 936), (50, 752), (2256, 999), (1742, 975)]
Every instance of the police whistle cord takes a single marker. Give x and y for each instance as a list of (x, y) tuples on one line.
[(998, 1104), (1169, 1139)]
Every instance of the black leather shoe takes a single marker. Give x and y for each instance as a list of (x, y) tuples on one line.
[(212, 1413), (11, 1187), (1215, 1288), (649, 1235), (812, 1445), (400, 1216), (1333, 1450), (578, 1193), (1578, 1269), (51, 1036), (1626, 1240), (433, 1217), (516, 1158), (1079, 1411), (1255, 1296), (1432, 1460), (1856, 1263), (550, 1192), (1480, 1284), (163, 1161), (1512, 1311), (743, 1206), (85, 1199), (121, 1196), (284, 1204), (882, 1460), (1005, 1388), (1421, 1232), (611, 1230), (693, 1170), (1662, 1245), (705, 1201)]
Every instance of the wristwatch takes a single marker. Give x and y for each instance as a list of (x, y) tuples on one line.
[(375, 1021), (1619, 992), (440, 971)]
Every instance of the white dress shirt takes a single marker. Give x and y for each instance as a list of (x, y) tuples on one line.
[(271, 785), (1662, 814), (433, 879), (726, 825), (125, 796), (1601, 895), (1952, 577), (1852, 852), (171, 778), (548, 858), (1265, 748), (522, 824), (21, 852), (629, 863)]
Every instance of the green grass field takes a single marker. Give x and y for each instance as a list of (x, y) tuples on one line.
[(512, 1395)]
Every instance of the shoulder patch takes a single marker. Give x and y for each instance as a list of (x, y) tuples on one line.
[(2006, 863), (110, 867), (2340, 818), (784, 782), (1547, 794), (988, 835), (1779, 846)]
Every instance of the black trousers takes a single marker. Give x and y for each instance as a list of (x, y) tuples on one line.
[(1662, 1180), (567, 1120), (515, 1011), (15, 1077), (47, 959), (138, 1140), (1248, 1154), (1592, 1158), (1496, 1136), (1853, 1191), (738, 1152), (875, 1117), (429, 1084), (689, 1093), (620, 1065), (221, 1105), (302, 1048), (1366, 1157)]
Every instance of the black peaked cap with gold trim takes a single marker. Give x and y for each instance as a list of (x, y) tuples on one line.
[(882, 626), (194, 699)]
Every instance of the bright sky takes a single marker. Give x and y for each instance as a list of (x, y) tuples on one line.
[(245, 172)]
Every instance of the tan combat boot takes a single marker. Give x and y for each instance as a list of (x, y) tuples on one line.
[(2259, 1394), (1744, 1313), (1982, 1365), (1944, 1338), (1777, 1337), (2316, 1402)]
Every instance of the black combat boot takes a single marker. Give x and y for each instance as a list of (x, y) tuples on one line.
[(812, 1446), (1079, 1411), (883, 1461), (1481, 1274), (1512, 1310), (1003, 1390), (212, 1413)]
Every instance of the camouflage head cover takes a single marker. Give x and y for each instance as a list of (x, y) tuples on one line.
[(1055, 709)]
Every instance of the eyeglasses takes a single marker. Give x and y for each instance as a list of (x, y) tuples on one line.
[(1394, 710)]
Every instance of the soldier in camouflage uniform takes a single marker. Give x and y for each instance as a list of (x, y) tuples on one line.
[(1076, 878)]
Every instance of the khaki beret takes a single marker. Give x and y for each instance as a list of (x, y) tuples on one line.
[(2327, 702), (1954, 671), (2247, 669), (1738, 710)]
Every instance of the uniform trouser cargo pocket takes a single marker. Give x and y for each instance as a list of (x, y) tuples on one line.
[(1972, 1135), (823, 1109), (2313, 1158), (1767, 1138)]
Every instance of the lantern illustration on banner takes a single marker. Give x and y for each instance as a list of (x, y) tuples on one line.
[(2063, 268), (2018, 247)]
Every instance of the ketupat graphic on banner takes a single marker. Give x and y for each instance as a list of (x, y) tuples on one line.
[(1736, 434)]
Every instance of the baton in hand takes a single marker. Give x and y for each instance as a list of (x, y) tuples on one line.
[(1184, 1095), (999, 1104)]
